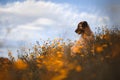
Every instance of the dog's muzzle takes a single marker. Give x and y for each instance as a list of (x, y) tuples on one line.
[(79, 31)]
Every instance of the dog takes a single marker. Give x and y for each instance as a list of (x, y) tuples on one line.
[(86, 42)]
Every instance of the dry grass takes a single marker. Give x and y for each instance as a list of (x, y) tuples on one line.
[(52, 61)]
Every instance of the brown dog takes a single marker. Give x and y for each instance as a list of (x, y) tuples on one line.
[(86, 40)]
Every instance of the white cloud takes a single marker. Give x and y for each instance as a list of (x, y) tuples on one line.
[(33, 18), (43, 22)]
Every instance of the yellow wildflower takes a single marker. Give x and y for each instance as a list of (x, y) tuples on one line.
[(19, 64), (104, 45), (77, 49), (59, 63), (78, 68), (99, 49), (41, 57), (59, 54), (62, 75)]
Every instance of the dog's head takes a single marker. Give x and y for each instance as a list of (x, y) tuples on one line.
[(81, 27)]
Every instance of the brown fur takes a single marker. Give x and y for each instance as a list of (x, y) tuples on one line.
[(86, 40)]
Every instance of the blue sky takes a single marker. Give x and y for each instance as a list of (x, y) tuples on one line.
[(26, 21)]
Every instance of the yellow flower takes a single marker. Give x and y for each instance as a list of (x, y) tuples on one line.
[(39, 65), (41, 56), (99, 49), (62, 75), (78, 68), (82, 55), (38, 61), (59, 63), (77, 49), (60, 46), (58, 43), (59, 54), (19, 64), (104, 45)]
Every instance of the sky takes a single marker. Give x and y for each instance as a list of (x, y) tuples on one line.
[(28, 21)]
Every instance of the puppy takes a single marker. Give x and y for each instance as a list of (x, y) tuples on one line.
[(85, 43)]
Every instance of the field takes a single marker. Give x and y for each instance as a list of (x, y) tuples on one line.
[(52, 60)]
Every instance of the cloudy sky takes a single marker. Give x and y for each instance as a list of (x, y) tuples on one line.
[(31, 20)]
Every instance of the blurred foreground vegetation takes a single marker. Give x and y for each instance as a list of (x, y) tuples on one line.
[(52, 60)]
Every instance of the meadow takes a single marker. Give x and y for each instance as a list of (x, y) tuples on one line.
[(52, 60)]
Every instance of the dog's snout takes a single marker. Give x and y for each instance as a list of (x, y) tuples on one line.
[(76, 30)]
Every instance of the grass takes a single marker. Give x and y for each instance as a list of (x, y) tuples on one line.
[(52, 60)]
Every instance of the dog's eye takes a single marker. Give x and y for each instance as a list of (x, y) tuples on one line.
[(80, 26)]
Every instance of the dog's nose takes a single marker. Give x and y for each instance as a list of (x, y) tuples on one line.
[(76, 30)]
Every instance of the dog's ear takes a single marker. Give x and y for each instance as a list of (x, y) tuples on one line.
[(85, 24)]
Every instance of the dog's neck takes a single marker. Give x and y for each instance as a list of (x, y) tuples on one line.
[(87, 33)]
